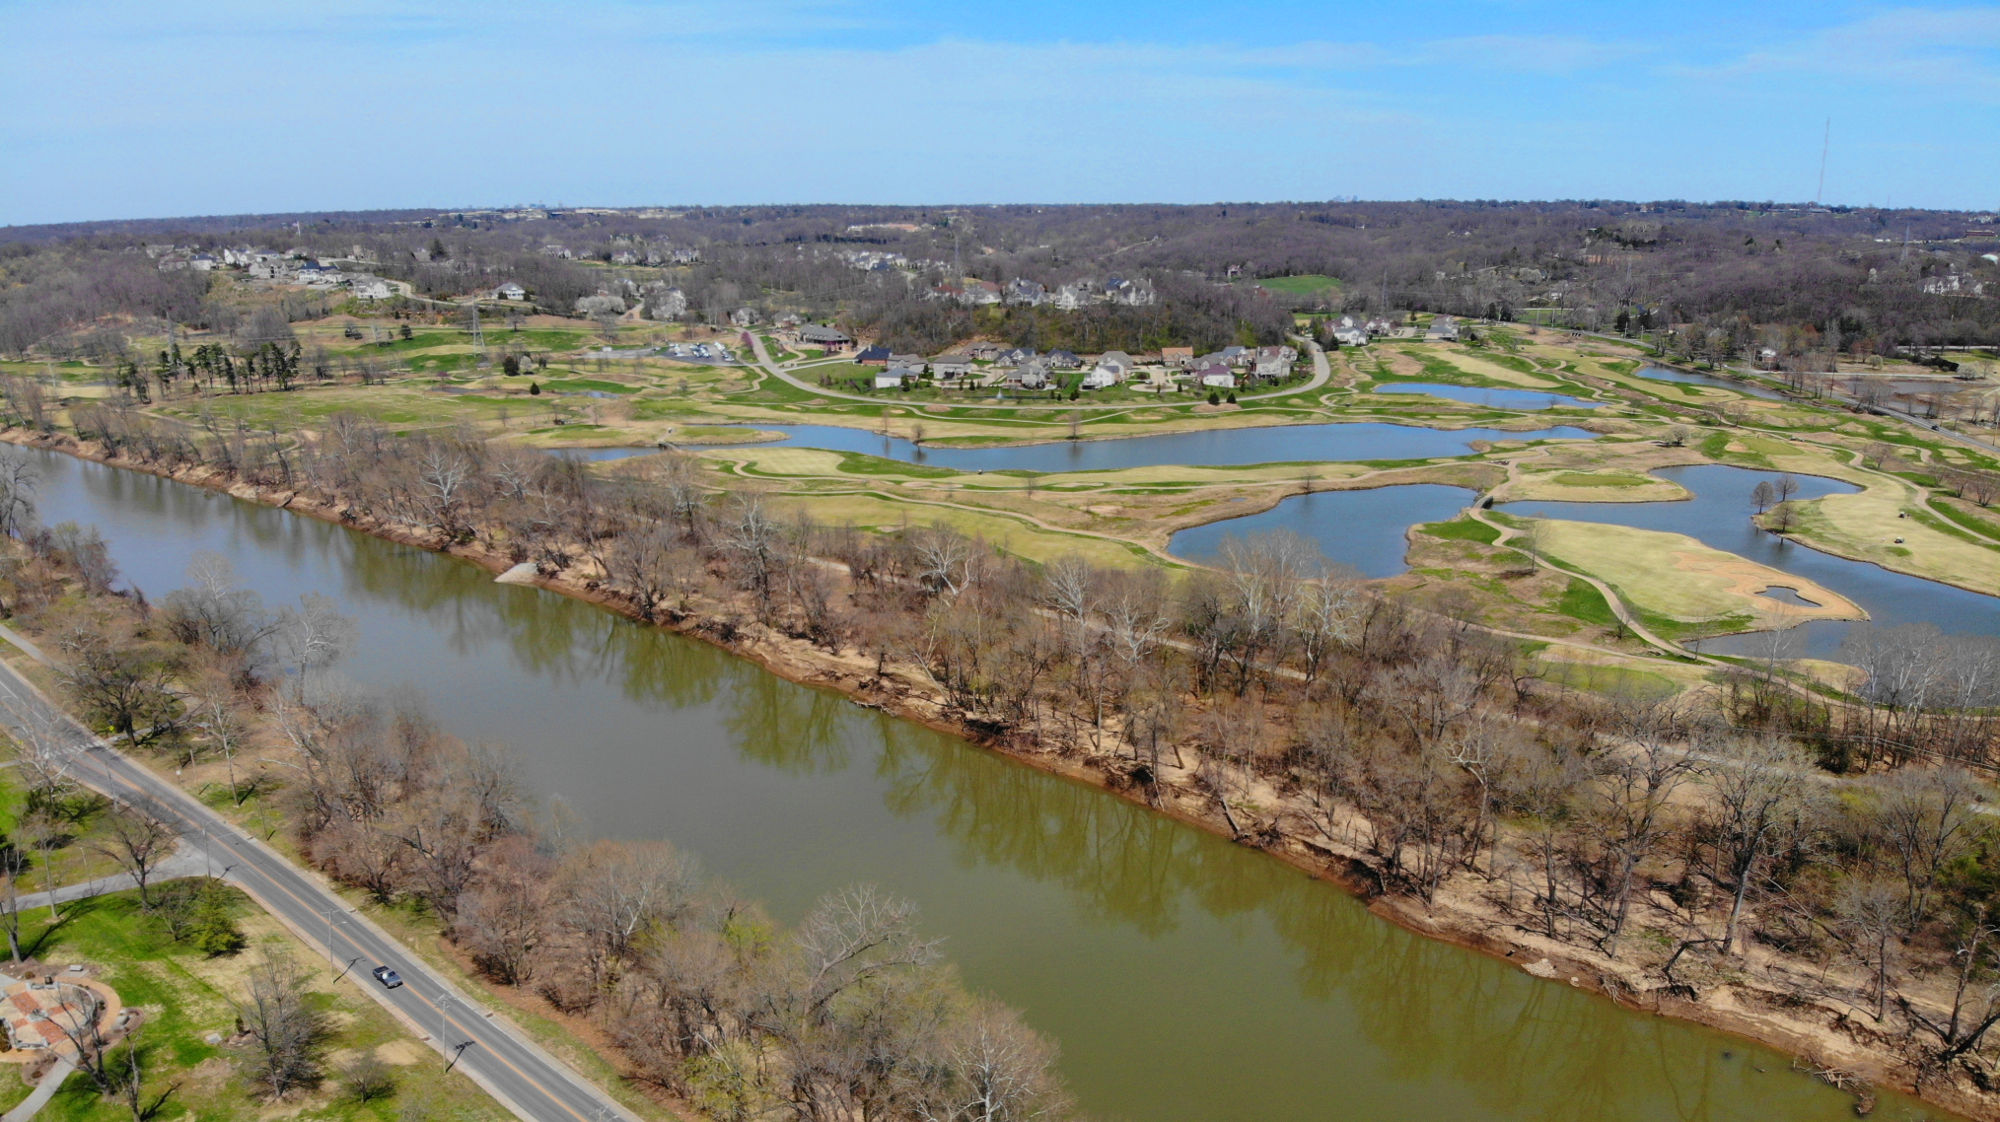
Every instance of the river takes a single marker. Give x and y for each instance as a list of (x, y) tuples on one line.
[(1186, 978)]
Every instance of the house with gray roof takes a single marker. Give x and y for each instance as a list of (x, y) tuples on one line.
[(819, 335), (945, 367)]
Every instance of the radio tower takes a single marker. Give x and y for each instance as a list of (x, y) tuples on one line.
[(478, 340), (1825, 142)]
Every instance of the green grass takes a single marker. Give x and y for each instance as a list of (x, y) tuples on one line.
[(1581, 601), (1463, 530), (1599, 479), (1969, 521), (583, 385), (1305, 284), (186, 996), (1615, 681)]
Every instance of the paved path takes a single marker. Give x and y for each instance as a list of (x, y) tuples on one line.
[(519, 1074), (43, 1092), (188, 861)]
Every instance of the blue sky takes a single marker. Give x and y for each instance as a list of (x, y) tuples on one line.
[(118, 109)]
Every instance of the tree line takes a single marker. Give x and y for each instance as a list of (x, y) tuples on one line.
[(1429, 749), (850, 1013)]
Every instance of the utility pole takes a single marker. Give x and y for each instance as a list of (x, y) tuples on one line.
[(478, 341), (1826, 142)]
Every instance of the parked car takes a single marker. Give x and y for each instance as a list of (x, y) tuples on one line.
[(389, 978)]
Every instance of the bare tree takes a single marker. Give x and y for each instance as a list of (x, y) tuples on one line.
[(139, 838), (315, 635), (995, 1070), (443, 473), (1759, 790), (1928, 818), (287, 1030), (18, 482)]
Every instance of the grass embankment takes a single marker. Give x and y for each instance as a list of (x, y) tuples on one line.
[(1674, 578), (1892, 528)]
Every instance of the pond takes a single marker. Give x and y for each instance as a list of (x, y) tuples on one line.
[(1368, 440), (600, 454), (1185, 977), (1690, 378), (1719, 515), (1488, 396), (1366, 531)]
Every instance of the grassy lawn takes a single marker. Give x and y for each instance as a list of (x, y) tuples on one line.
[(1866, 527), (1675, 578), (1462, 529), (1305, 284), (186, 997)]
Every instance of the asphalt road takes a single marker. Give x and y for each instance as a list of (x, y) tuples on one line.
[(520, 1075)]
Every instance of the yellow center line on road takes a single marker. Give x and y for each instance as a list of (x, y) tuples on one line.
[(105, 771)]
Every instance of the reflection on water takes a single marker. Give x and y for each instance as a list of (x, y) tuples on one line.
[(592, 454), (1187, 978), (1367, 440), (1690, 378), (1368, 531), (1719, 516)]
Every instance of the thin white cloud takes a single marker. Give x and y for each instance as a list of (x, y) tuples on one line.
[(1544, 54), (1952, 49)]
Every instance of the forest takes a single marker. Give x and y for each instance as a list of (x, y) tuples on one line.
[(1812, 280)]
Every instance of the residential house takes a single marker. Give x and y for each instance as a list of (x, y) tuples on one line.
[(366, 287), (1022, 291), (319, 276), (1117, 363), (1118, 290), (951, 367), (624, 257), (510, 291), (985, 352), (1180, 358), (560, 251), (1099, 378), (743, 317), (202, 262), (873, 356), (1216, 377), (1070, 297), (892, 378), (914, 362), (1017, 356), (1444, 329), (818, 335), (1351, 332), (1064, 360), (1030, 375)]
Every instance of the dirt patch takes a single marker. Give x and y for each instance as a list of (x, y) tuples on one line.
[(401, 1053)]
